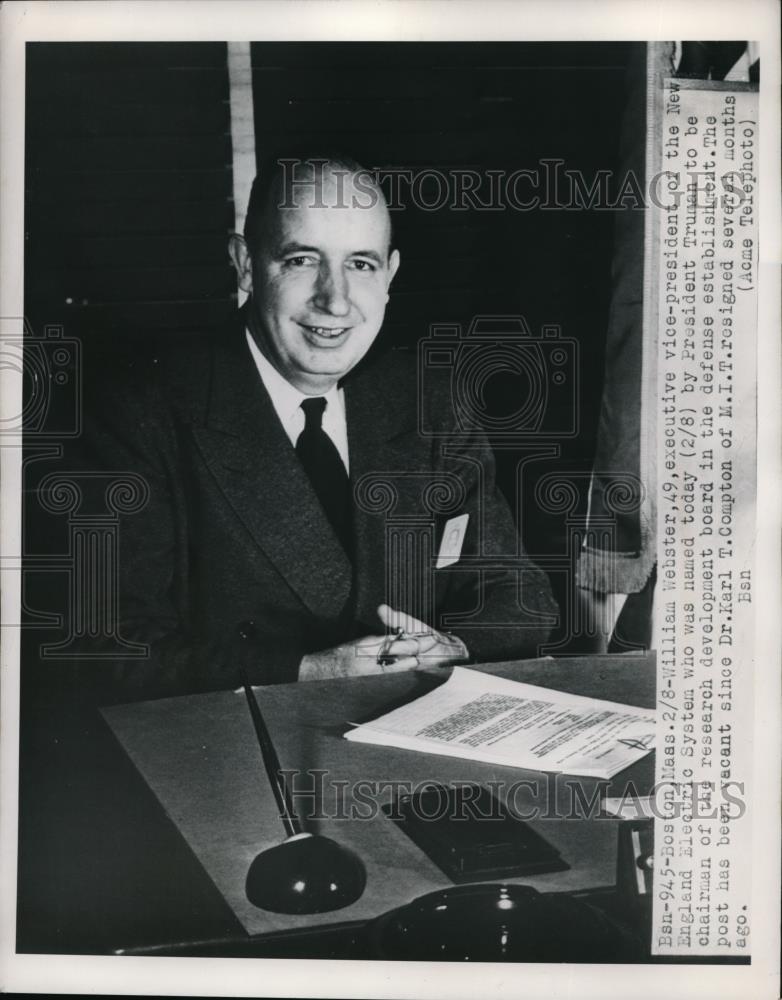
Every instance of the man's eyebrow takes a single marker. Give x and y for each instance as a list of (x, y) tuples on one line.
[(292, 247), (372, 254)]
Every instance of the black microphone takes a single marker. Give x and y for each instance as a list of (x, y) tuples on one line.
[(306, 873)]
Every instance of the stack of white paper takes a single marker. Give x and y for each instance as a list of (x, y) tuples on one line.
[(481, 717)]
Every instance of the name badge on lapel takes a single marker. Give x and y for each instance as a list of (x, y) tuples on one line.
[(452, 541)]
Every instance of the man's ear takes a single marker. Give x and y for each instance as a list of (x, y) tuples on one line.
[(393, 266), (240, 257)]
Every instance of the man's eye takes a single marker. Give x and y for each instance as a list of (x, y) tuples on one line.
[(363, 265), (298, 261)]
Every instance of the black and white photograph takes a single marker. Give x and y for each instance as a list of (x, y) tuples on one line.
[(390, 469)]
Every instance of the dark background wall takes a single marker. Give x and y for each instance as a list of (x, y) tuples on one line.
[(128, 188)]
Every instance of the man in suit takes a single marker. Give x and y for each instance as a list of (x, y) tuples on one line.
[(279, 461)]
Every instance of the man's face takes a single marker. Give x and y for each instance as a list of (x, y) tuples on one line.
[(320, 283)]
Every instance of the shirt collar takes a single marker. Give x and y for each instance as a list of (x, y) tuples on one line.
[(286, 398)]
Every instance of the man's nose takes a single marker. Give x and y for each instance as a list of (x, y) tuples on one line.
[(332, 294)]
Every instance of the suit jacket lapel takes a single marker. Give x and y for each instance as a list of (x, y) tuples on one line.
[(254, 463)]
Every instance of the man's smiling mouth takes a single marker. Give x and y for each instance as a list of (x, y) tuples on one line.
[(330, 332)]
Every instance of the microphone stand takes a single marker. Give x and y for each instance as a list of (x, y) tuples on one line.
[(306, 873)]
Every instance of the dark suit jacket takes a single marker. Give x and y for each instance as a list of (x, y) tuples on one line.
[(232, 530)]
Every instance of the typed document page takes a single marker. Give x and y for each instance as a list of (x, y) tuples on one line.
[(486, 718)]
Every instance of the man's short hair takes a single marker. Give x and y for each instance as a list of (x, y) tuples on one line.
[(272, 186)]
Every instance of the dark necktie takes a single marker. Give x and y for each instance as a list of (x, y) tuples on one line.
[(320, 458)]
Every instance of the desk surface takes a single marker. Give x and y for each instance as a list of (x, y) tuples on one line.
[(199, 756)]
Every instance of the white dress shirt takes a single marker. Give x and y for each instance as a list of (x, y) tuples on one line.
[(287, 399)]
